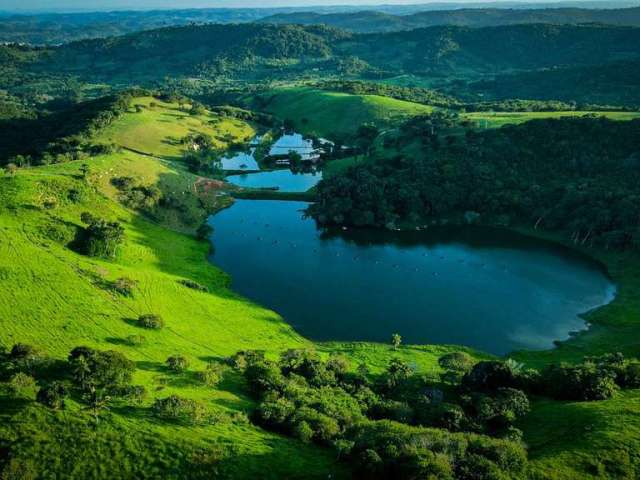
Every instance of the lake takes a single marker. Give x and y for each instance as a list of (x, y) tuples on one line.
[(284, 180), (240, 161), (490, 289)]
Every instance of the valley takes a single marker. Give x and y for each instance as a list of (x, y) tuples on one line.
[(267, 249)]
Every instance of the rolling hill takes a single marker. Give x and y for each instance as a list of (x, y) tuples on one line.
[(376, 21)]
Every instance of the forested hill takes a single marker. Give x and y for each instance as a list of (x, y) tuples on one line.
[(233, 49), (375, 21)]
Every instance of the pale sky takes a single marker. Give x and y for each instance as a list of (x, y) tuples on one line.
[(93, 5)]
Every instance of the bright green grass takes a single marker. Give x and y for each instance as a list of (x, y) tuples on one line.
[(55, 299), (498, 119), (322, 113), (158, 129)]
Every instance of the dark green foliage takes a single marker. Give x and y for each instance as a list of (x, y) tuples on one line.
[(101, 238), (93, 370), (61, 136), (578, 176), (579, 382), (177, 363), (53, 395), (194, 285), (391, 450), (179, 409), (151, 321)]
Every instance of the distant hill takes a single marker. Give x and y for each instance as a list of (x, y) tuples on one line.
[(375, 21), (59, 28), (265, 51)]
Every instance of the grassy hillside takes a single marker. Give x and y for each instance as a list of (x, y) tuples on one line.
[(323, 113), (159, 126), (56, 299)]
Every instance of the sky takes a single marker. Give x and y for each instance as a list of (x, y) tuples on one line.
[(94, 5)]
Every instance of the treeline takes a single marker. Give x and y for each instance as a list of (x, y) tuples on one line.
[(61, 136), (438, 99), (403, 424), (611, 84), (578, 176), (411, 94)]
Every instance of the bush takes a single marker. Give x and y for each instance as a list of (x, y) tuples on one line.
[(53, 395), (177, 363), (579, 382), (180, 409), (457, 362), (22, 385), (136, 340), (151, 321), (94, 369), (194, 285), (489, 376), (212, 375), (124, 286), (101, 238)]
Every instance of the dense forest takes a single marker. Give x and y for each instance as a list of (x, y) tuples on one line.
[(375, 21), (578, 176)]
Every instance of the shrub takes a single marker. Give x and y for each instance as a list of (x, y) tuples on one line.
[(136, 340), (124, 286), (53, 395), (151, 321), (177, 363), (457, 362), (489, 376), (194, 285), (212, 375), (579, 382), (180, 409), (22, 385), (101, 238)]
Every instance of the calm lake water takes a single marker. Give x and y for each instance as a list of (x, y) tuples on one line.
[(285, 180), (485, 288), (240, 161)]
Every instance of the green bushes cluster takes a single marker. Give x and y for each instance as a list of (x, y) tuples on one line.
[(400, 424), (382, 423)]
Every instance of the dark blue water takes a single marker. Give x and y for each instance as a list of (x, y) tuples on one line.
[(486, 288)]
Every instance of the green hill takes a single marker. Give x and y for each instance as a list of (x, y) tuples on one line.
[(324, 113), (57, 299)]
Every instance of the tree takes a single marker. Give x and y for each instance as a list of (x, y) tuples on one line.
[(396, 340), (53, 395), (22, 385), (177, 363), (102, 238), (365, 136)]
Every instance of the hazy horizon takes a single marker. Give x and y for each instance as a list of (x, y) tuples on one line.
[(102, 5)]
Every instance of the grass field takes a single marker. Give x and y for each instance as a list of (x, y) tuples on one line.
[(327, 114), (498, 119), (159, 126), (57, 299)]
